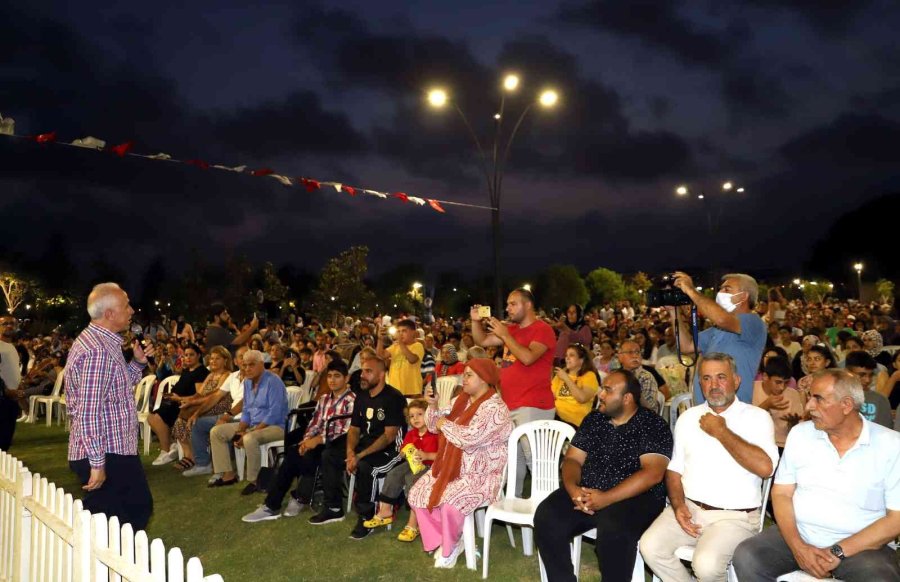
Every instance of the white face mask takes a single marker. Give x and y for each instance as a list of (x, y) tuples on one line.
[(724, 300)]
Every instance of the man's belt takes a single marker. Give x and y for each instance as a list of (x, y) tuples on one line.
[(702, 505)]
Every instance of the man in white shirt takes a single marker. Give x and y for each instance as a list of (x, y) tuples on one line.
[(724, 448), (836, 495)]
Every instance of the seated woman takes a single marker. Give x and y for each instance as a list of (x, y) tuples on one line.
[(161, 421), (468, 470), (449, 364), (606, 359), (192, 406), (874, 344), (574, 386)]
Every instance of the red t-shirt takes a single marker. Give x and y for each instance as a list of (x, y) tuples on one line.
[(427, 443), (522, 385)]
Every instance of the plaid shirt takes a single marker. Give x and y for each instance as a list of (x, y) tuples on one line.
[(327, 407), (99, 397)]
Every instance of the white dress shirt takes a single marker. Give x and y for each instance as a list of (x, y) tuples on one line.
[(837, 497), (709, 474)]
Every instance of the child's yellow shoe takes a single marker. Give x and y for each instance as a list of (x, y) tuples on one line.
[(409, 534), (377, 521)]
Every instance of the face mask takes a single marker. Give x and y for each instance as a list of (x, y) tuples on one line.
[(724, 301)]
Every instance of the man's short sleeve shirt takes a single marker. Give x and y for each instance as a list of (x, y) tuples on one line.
[(746, 348)]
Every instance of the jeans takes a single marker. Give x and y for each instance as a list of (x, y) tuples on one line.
[(200, 439)]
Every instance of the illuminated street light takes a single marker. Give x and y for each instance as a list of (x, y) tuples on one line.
[(527, 286), (495, 153), (858, 267), (417, 286), (727, 186), (796, 281), (681, 190), (740, 190)]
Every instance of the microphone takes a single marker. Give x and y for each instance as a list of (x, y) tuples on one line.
[(138, 332)]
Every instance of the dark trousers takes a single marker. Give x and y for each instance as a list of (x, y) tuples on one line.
[(767, 556), (619, 527), (125, 493), (9, 412), (301, 467)]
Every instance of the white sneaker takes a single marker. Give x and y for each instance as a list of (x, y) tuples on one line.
[(197, 470), (449, 561), (166, 457), (262, 513), (294, 507), (23, 418)]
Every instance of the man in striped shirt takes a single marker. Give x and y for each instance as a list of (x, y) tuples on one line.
[(100, 403)]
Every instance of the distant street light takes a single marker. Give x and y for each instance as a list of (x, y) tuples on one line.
[(527, 286), (494, 163), (713, 215), (858, 267)]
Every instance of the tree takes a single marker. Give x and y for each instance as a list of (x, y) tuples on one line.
[(560, 286), (274, 291), (342, 288), (885, 290), (636, 288), (605, 285), (14, 287)]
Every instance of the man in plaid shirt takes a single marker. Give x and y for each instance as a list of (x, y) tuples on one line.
[(100, 403), (323, 436)]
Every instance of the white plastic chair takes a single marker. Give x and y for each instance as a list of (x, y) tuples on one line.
[(47, 401), (675, 407), (164, 387), (546, 439), (143, 390), (801, 576), (294, 394), (660, 403), (307, 392), (444, 388)]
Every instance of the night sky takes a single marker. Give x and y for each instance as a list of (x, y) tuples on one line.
[(794, 100)]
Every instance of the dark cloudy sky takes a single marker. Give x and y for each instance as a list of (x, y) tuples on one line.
[(795, 100)]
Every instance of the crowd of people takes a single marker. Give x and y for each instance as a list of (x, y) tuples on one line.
[(804, 393)]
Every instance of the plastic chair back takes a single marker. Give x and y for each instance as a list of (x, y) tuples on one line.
[(164, 388), (444, 388), (546, 439)]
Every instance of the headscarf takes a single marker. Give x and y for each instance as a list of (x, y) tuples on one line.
[(451, 351), (875, 336), (579, 317), (448, 461)]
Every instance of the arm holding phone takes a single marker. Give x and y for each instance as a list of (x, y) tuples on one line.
[(481, 333)]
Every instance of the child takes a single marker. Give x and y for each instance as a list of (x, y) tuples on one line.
[(772, 393), (402, 477)]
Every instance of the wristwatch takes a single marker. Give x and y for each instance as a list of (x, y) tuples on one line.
[(837, 551)]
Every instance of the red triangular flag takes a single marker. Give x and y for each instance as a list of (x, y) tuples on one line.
[(311, 185), (199, 163), (349, 190), (122, 149), (401, 196), (436, 205), (262, 172), (45, 137)]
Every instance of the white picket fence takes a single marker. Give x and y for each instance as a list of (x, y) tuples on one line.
[(46, 535)]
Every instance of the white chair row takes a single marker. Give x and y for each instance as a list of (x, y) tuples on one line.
[(142, 394), (55, 398)]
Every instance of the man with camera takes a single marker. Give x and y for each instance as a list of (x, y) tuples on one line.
[(736, 329)]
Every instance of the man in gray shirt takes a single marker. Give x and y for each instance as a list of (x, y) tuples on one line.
[(218, 333), (10, 377)]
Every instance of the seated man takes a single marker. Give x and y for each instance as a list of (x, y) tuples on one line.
[(724, 448), (876, 408), (836, 494), (773, 394), (612, 480), (302, 461), (629, 355), (265, 409), (373, 441)]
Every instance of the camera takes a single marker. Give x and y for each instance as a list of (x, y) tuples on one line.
[(663, 293)]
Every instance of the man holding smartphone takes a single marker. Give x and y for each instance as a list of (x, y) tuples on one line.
[(528, 346)]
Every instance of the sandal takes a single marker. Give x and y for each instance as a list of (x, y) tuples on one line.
[(409, 534), (184, 464), (377, 521), (222, 483)]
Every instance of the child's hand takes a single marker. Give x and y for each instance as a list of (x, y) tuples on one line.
[(417, 456)]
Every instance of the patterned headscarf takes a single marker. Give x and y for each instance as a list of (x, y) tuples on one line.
[(451, 351), (873, 335)]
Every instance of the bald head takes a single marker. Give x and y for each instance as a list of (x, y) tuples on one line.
[(108, 307)]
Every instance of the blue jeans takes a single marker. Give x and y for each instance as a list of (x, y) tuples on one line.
[(200, 439)]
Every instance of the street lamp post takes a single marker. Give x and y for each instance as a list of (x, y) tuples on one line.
[(712, 221), (858, 267), (493, 163)]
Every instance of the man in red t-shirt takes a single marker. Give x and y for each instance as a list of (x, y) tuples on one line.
[(528, 345)]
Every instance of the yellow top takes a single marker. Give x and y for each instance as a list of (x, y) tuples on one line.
[(567, 407), (406, 377)]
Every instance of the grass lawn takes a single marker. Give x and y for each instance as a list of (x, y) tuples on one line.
[(207, 523)]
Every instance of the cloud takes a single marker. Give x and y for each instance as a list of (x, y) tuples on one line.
[(856, 140), (828, 17)]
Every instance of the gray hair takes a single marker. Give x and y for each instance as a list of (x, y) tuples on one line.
[(719, 357), (846, 385), (101, 298), (748, 284), (253, 356)]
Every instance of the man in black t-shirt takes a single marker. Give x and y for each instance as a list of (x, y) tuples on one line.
[(373, 441), (612, 481)]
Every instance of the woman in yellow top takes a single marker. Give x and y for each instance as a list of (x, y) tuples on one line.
[(575, 386)]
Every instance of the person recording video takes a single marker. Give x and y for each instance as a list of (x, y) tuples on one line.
[(736, 329)]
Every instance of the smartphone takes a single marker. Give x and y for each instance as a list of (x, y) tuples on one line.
[(484, 311)]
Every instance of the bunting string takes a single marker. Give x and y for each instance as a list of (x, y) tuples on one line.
[(7, 128)]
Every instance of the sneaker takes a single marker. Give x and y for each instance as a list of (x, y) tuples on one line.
[(197, 470), (449, 561), (23, 417), (360, 531), (294, 507), (327, 516), (166, 457), (262, 513)]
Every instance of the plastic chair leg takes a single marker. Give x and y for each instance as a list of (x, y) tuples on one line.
[(485, 555), (527, 540), (470, 542)]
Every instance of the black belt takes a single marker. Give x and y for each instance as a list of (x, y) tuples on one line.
[(702, 505)]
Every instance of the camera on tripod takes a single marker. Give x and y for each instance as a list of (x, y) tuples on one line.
[(663, 293)]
